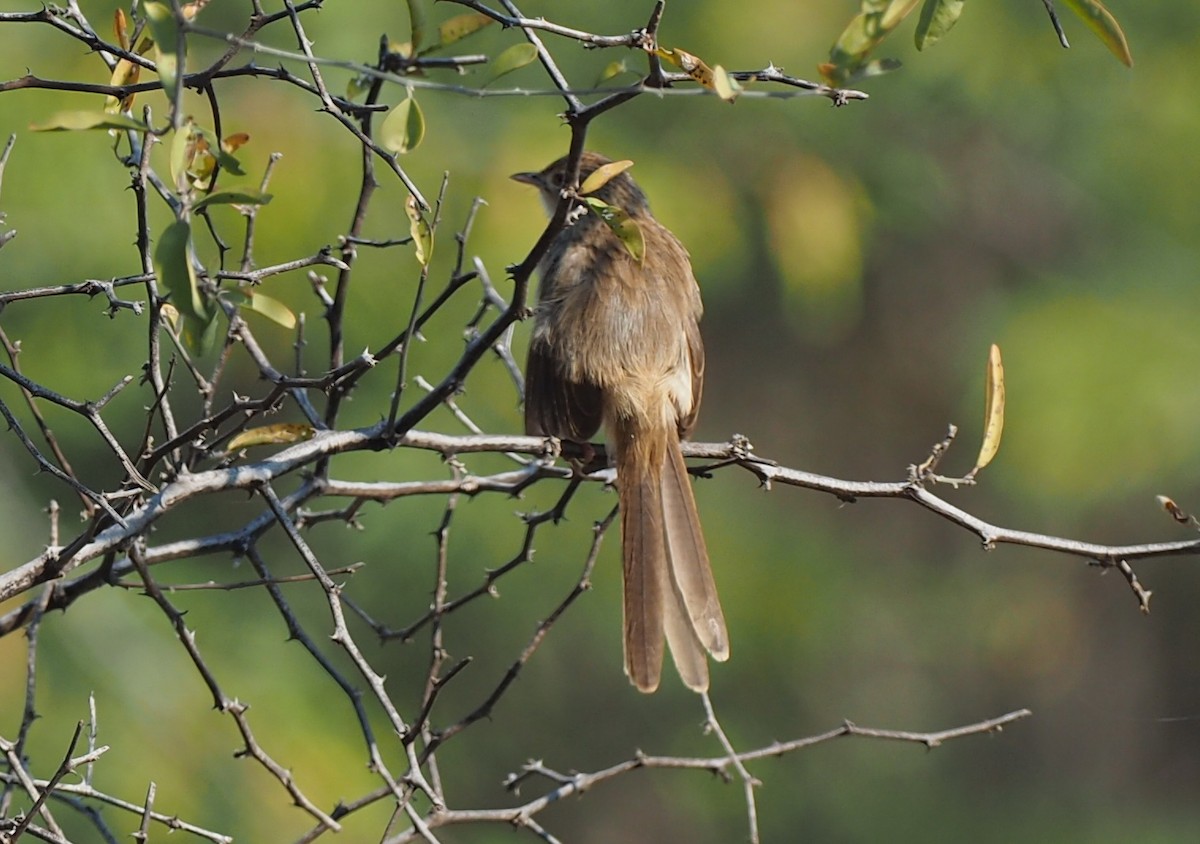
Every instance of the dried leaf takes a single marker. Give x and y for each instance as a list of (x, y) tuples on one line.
[(993, 413), (283, 432), (692, 65), (233, 142), (601, 176)]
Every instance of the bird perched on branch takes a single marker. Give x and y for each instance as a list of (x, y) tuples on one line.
[(616, 341)]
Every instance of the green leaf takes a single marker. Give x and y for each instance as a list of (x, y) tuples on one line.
[(199, 334), (416, 14), (937, 17), (460, 26), (180, 158), (611, 70), (357, 86), (1100, 21), (851, 53), (404, 127), (70, 121), (164, 30), (422, 234), (876, 67), (173, 265), (623, 226), (234, 196), (514, 58)]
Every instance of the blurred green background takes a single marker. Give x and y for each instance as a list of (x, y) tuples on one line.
[(856, 264)]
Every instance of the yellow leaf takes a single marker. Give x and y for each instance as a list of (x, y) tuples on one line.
[(460, 26), (124, 72), (601, 176), (993, 413), (693, 66), (726, 86), (284, 432)]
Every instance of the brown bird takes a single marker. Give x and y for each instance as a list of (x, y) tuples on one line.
[(617, 341)]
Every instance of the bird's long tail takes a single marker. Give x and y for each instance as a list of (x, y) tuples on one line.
[(668, 582)]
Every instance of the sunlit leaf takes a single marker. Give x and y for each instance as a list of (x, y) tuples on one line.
[(404, 127), (416, 13), (173, 265), (1101, 22), (70, 121), (623, 226), (993, 412), (611, 70), (726, 87), (937, 17), (234, 196), (601, 176), (514, 58), (460, 26), (164, 30), (284, 432), (124, 72), (422, 235), (272, 309)]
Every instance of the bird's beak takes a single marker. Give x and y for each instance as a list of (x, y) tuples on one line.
[(527, 178)]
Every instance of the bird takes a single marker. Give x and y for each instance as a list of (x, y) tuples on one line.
[(616, 342)]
